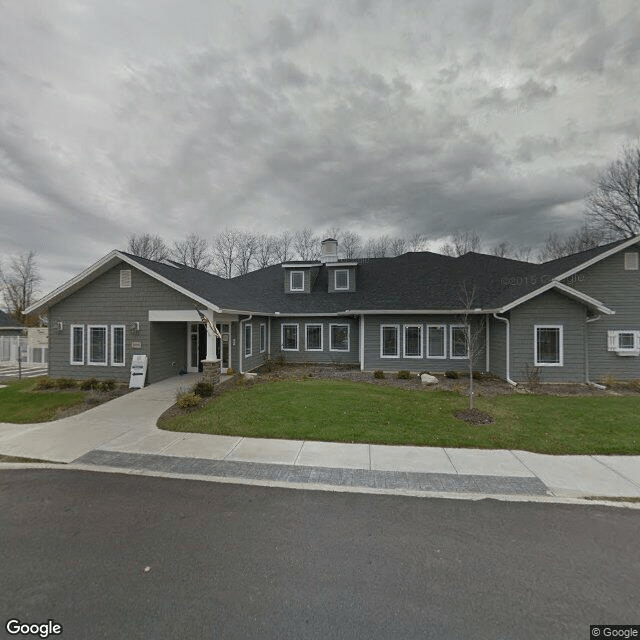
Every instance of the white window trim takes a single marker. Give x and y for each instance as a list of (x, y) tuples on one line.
[(560, 345), (340, 324), (314, 324), (291, 287), (451, 328), (404, 339), (335, 280), (106, 346), (444, 341), (390, 326), (613, 339), (263, 333), (71, 360), (290, 324), (248, 344), (113, 344), (631, 261)]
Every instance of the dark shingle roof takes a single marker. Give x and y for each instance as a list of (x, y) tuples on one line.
[(412, 281)]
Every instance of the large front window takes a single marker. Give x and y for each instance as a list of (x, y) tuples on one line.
[(77, 344), (389, 341), (548, 346), (436, 341), (290, 337), (313, 341), (413, 341), (117, 346), (97, 345), (458, 342), (339, 337)]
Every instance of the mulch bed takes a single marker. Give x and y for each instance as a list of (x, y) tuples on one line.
[(474, 416)]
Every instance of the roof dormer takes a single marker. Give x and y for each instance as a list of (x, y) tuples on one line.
[(300, 276), (341, 276)]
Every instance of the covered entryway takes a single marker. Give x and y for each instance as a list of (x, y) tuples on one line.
[(196, 346)]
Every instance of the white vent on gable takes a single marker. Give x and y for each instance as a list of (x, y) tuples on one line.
[(125, 278), (631, 261)]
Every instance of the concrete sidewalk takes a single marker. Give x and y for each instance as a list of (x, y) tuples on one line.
[(122, 434)]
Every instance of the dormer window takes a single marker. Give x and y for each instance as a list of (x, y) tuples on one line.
[(341, 281), (297, 281)]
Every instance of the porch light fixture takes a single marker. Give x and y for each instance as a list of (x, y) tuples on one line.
[(59, 325), (135, 326)]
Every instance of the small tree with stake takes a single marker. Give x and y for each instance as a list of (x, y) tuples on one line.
[(473, 333)]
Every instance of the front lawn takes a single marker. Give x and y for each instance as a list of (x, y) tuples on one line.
[(19, 402), (343, 411)]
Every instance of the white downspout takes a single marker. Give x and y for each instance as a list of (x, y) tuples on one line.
[(240, 336), (586, 354), (487, 362), (508, 328), (269, 336), (361, 337)]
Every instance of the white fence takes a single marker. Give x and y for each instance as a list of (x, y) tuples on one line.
[(12, 347)]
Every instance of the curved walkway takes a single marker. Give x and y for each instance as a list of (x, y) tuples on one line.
[(123, 433)]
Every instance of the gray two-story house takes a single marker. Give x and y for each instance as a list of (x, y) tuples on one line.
[(576, 319)]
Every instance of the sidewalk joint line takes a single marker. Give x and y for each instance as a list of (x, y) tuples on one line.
[(606, 466), (446, 453), (295, 462), (232, 449)]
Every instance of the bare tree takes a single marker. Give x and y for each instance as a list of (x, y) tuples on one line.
[(462, 242), (225, 252), (247, 248), (306, 244), (506, 250), (350, 244), (377, 247), (283, 246), (417, 242), (613, 206), (557, 247), (19, 284), (397, 247), (193, 251), (474, 332), (265, 254), (145, 245)]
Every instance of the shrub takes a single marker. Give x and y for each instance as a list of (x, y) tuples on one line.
[(477, 375), (65, 383), (45, 383), (107, 385), (203, 389), (453, 375), (634, 385), (188, 401), (90, 384), (379, 374), (93, 399), (231, 371), (403, 374)]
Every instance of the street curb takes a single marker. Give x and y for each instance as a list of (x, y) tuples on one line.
[(554, 499)]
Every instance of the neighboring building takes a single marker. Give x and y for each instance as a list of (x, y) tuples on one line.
[(8, 326), (574, 319)]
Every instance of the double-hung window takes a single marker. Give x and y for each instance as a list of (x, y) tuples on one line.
[(339, 337), (297, 281), (313, 337), (412, 341), (77, 344), (263, 337), (289, 338), (458, 341), (97, 345), (390, 341), (548, 346), (248, 339), (117, 345), (341, 279), (436, 341), (625, 342)]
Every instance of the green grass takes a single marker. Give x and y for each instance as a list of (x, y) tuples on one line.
[(341, 411), (20, 403)]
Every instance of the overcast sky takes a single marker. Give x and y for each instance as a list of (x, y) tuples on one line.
[(128, 116)]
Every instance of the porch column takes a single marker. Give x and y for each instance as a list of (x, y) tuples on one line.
[(211, 364)]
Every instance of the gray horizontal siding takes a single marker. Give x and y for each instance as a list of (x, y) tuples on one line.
[(550, 308), (101, 302), (373, 360), (256, 358), (608, 282), (326, 356), (498, 347)]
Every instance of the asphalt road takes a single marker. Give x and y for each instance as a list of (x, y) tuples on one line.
[(116, 556)]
